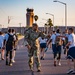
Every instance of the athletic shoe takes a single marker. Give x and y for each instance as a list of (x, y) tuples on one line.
[(10, 64), (38, 70), (59, 64), (13, 61), (41, 58), (2, 58), (73, 72), (69, 71)]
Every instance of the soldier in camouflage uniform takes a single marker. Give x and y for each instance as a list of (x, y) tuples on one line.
[(32, 43)]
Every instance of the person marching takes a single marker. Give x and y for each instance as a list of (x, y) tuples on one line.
[(1, 46), (8, 43), (56, 46), (43, 42), (71, 51), (58, 43), (15, 45), (52, 39), (32, 43)]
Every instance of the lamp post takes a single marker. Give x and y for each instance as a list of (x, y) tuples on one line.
[(43, 26), (65, 11), (53, 19)]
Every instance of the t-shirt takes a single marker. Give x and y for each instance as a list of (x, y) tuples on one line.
[(1, 41), (57, 34), (42, 40), (53, 37), (7, 36), (67, 35), (71, 39), (15, 37)]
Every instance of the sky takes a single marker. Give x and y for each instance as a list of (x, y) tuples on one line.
[(16, 9)]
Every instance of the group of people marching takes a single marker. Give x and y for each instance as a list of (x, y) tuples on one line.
[(65, 40), (37, 42), (8, 44)]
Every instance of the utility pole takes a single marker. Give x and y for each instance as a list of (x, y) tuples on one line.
[(8, 21), (20, 27)]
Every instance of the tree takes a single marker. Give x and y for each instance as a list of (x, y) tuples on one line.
[(56, 27), (49, 22), (35, 18)]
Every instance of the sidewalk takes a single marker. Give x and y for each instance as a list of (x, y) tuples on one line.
[(20, 37)]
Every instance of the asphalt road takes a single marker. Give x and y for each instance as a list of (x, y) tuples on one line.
[(20, 67)]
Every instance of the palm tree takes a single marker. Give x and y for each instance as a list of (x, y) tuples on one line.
[(35, 18), (49, 22), (56, 27)]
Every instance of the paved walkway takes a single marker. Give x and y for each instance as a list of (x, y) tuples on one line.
[(20, 67)]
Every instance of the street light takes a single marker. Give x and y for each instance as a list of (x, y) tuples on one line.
[(45, 26), (65, 11), (53, 19)]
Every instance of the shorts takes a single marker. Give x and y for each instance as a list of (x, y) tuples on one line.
[(43, 45), (54, 48), (57, 52), (71, 53)]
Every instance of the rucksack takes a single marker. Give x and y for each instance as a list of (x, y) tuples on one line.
[(10, 40), (58, 41), (16, 39), (66, 40)]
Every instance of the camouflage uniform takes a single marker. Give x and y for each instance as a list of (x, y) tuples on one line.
[(31, 38)]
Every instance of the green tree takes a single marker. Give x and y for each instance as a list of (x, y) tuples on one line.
[(49, 22), (56, 27), (35, 18)]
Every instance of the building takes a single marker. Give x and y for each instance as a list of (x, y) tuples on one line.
[(29, 17)]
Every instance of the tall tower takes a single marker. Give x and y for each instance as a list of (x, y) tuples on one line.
[(29, 17)]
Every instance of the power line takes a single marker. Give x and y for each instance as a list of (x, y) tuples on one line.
[(3, 11)]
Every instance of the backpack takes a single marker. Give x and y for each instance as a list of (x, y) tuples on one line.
[(10, 40), (66, 40), (58, 41), (16, 39)]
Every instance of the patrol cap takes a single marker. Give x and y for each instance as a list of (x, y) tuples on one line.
[(35, 24)]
